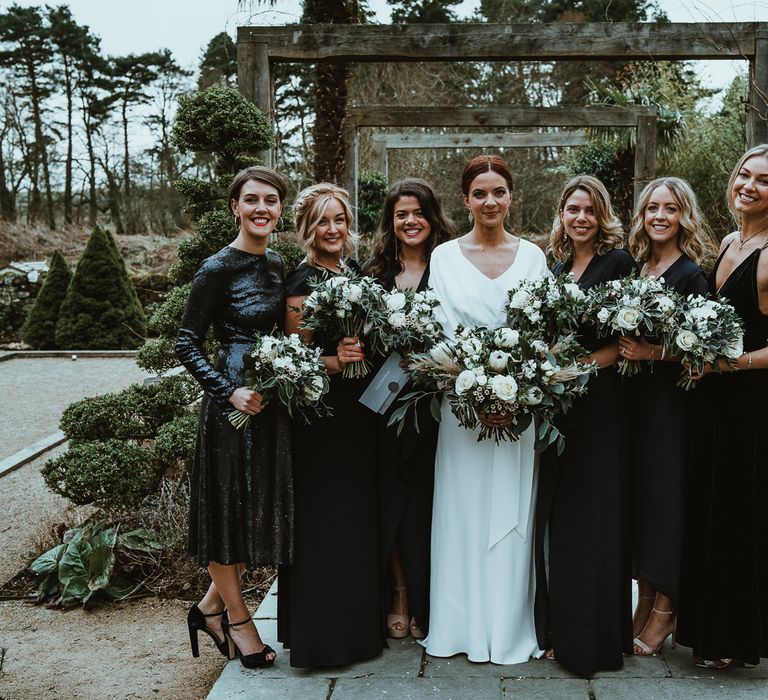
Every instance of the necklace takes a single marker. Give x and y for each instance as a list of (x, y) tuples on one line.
[(743, 240)]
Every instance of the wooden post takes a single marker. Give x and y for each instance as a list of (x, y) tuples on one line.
[(351, 140), (645, 153), (380, 159), (757, 116), (254, 79)]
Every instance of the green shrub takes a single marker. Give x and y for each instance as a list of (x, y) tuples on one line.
[(39, 330), (108, 473), (372, 190), (200, 196), (175, 442), (214, 230), (167, 317), (157, 356), (100, 310), (290, 252)]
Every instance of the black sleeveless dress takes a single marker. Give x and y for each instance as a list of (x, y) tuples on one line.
[(241, 487), (660, 415), (723, 610), (583, 578), (329, 599)]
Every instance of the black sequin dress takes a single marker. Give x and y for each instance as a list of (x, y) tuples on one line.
[(241, 499), (723, 609), (329, 599)]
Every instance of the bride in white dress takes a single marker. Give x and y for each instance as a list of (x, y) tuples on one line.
[(482, 582)]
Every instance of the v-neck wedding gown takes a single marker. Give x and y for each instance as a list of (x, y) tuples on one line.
[(482, 580)]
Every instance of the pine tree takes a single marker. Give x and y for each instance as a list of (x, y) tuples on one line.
[(39, 330), (101, 310)]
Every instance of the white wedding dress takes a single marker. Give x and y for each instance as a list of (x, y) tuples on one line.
[(482, 579)]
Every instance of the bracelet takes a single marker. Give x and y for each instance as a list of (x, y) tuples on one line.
[(663, 352), (749, 360)]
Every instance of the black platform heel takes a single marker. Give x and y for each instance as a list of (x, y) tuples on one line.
[(256, 660), (196, 623)]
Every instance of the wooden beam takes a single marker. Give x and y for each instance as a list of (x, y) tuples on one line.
[(645, 153), (254, 80), (575, 116), (495, 42), (757, 116), (485, 140)]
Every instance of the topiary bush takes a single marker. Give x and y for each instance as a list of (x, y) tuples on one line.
[(214, 230), (175, 442), (110, 473), (39, 330), (101, 310)]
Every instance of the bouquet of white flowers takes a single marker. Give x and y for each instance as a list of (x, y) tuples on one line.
[(633, 306), (346, 306), (502, 373), (704, 330), (287, 368), (548, 306), (411, 322)]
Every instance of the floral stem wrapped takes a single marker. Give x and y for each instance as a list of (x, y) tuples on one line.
[(703, 331), (348, 306), (412, 321), (285, 368)]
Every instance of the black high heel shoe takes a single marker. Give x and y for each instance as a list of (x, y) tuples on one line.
[(196, 623), (256, 660)]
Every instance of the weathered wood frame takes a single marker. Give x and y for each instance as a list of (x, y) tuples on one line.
[(260, 47)]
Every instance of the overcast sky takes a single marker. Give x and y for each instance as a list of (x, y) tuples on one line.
[(186, 26)]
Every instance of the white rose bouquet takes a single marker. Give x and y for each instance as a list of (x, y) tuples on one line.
[(703, 331), (411, 322), (290, 370), (548, 306), (633, 306), (346, 306), (502, 373)]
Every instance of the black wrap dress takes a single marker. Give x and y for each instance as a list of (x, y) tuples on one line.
[(583, 577), (329, 599), (660, 416), (723, 609), (241, 495)]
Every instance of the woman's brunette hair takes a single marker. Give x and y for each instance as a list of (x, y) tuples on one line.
[(257, 172), (693, 238), (760, 150), (610, 234), (308, 210), (384, 263), (484, 164)]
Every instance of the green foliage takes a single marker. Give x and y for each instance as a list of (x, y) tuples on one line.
[(597, 158), (372, 190), (157, 356), (175, 442), (291, 253), (214, 230), (201, 196), (167, 317), (423, 11), (39, 330), (136, 412), (100, 310), (109, 473), (221, 121), (218, 65), (85, 564)]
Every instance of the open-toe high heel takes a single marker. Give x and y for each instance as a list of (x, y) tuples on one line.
[(258, 659), (196, 623), (397, 625), (416, 632), (646, 650)]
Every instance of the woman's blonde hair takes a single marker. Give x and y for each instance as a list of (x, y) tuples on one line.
[(694, 238), (761, 150), (610, 233), (309, 209)]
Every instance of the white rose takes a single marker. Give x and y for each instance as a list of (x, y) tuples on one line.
[(465, 382), (505, 387), (314, 390), (268, 347), (535, 316), (337, 281), (506, 338), (519, 300), (497, 360), (628, 318), (686, 340), (603, 315), (735, 349), (355, 293), (532, 397), (397, 319), (396, 301), (283, 363), (441, 353), (471, 346), (574, 291), (482, 380), (666, 304)]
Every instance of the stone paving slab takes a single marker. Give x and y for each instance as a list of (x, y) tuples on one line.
[(417, 688), (725, 688)]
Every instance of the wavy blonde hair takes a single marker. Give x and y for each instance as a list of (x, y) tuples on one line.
[(694, 237), (309, 209), (760, 150), (610, 233)]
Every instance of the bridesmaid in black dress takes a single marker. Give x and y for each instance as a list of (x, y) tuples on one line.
[(412, 225), (329, 599), (668, 240), (583, 600), (241, 499), (723, 609)]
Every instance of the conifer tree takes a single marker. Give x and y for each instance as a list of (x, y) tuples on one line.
[(100, 310), (39, 330)]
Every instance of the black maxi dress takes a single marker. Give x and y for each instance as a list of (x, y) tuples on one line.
[(723, 610), (660, 426), (406, 466), (329, 599), (241, 492), (583, 603)]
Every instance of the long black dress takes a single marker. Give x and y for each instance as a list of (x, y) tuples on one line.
[(241, 499), (329, 600), (723, 610), (583, 582), (406, 482), (660, 421)]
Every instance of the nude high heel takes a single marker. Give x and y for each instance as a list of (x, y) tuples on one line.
[(397, 625), (645, 650)]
